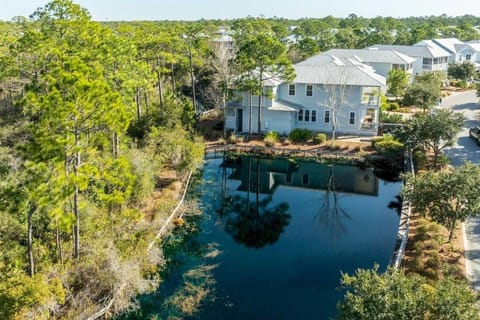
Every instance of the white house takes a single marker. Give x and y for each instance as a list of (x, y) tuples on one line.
[(382, 61), (326, 87), (428, 58), (459, 51)]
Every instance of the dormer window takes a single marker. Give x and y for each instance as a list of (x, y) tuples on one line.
[(291, 90)]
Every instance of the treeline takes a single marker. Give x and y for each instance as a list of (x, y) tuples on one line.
[(96, 136), (309, 36)]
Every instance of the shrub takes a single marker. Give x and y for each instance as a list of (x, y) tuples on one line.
[(233, 138), (420, 159), (393, 106), (320, 138), (462, 84), (300, 135), (271, 138), (388, 146), (390, 118)]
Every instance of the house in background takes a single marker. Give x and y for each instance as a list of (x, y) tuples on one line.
[(428, 58), (459, 51), (382, 61), (325, 87)]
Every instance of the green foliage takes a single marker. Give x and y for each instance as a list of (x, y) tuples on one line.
[(462, 71), (300, 135), (423, 95), (320, 138), (271, 138), (393, 106), (394, 295), (390, 117), (397, 82), (433, 79), (462, 84), (433, 131), (388, 146), (383, 103), (447, 196)]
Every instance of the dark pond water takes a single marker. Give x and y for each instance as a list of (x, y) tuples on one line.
[(273, 240)]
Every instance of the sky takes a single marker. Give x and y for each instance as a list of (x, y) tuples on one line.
[(116, 10)]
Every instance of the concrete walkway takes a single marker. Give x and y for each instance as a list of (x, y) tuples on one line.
[(467, 149)]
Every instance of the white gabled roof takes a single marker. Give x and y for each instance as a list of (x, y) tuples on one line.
[(372, 55), (415, 51), (330, 69), (449, 44)]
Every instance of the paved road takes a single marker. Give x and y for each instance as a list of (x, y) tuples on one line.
[(467, 149)]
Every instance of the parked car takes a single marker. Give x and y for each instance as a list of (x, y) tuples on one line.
[(475, 134)]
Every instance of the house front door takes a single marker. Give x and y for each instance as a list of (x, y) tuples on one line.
[(239, 120)]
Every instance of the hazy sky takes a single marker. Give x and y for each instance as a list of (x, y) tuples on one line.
[(228, 9)]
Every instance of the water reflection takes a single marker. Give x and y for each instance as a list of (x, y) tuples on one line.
[(249, 185), (254, 223)]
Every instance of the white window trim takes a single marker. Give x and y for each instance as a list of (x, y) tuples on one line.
[(309, 115), (354, 118), (294, 89), (306, 90), (329, 116)]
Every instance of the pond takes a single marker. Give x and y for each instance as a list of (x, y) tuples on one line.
[(273, 239)]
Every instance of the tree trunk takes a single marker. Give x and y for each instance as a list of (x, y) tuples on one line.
[(334, 125), (173, 78), (76, 212), (115, 144), (138, 103), (260, 107), (59, 244), (145, 97), (452, 229), (160, 85), (31, 262), (192, 79), (251, 116)]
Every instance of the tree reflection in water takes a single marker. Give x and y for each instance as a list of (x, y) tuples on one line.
[(331, 215), (255, 224)]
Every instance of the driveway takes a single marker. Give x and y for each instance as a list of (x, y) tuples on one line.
[(466, 149)]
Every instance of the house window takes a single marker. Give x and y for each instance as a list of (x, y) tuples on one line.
[(291, 90), (427, 61), (468, 56), (309, 91), (351, 119), (326, 117), (307, 115)]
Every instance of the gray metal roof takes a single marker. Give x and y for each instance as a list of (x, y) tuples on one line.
[(448, 44), (281, 105), (415, 51), (329, 69), (373, 55)]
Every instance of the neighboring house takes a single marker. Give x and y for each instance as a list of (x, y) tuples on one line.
[(428, 58), (450, 45), (223, 37), (322, 82), (459, 51), (382, 61)]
